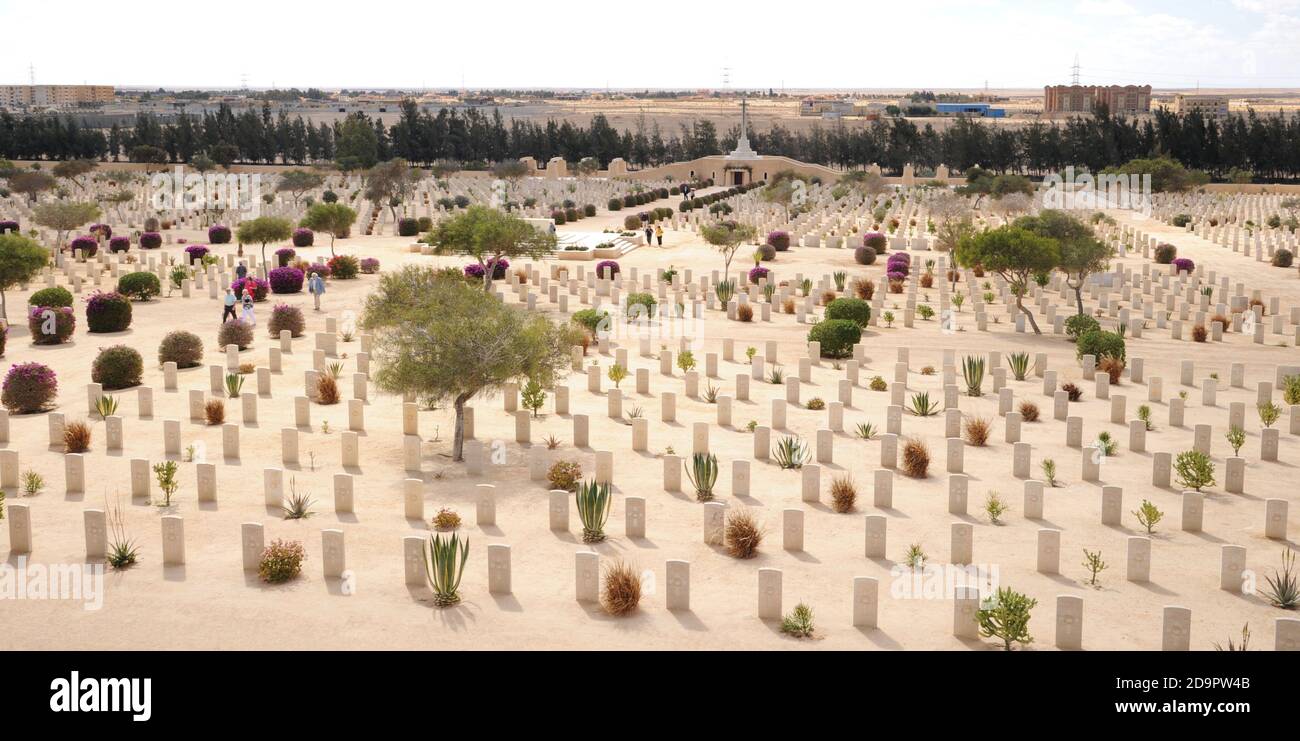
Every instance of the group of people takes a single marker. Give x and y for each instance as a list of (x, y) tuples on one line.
[(315, 286), (653, 233)]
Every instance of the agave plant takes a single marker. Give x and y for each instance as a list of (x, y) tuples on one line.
[(703, 474), (866, 431), (790, 452), (776, 376), (234, 384), (1283, 588), (1019, 362), (972, 371), (922, 406), (805, 286), (711, 394), (444, 563), (840, 277), (335, 370), (769, 290), (593, 508), (725, 290), (106, 406)]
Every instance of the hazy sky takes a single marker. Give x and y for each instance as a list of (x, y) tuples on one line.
[(588, 43)]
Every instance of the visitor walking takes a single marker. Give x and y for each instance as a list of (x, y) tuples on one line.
[(659, 234), (248, 317), (649, 235), (229, 311), (316, 287), (241, 271)]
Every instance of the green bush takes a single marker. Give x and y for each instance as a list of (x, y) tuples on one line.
[(589, 318), (837, 337), (1079, 324), (56, 296), (344, 267), (141, 285), (1283, 258), (108, 312), (1166, 253), (615, 204), (632, 222), (117, 367), (185, 349), (1100, 345), (641, 299), (1181, 220), (854, 309)]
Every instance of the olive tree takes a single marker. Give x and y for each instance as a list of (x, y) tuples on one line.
[(441, 339), (63, 217), (726, 237), (74, 170), (389, 183), (1014, 253), (297, 182), (1082, 254), (487, 235), (30, 183), (334, 219), (21, 260), (262, 230)]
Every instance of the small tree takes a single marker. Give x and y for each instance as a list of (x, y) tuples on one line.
[(390, 182), (617, 374), (264, 229), (1014, 253), (297, 182), (31, 183), (21, 260), (64, 216), (74, 170), (1082, 254), (440, 339), (334, 219), (1093, 563), (1194, 469), (1006, 617), (1148, 515), (726, 237), (487, 235), (533, 396)]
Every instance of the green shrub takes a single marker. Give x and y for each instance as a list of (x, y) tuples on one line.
[(117, 367), (1166, 253), (1283, 258), (1100, 345), (837, 337), (141, 285), (51, 325), (853, 309), (287, 317), (1181, 220), (56, 296), (590, 318), (185, 349), (344, 267), (641, 299), (1079, 324), (108, 312)]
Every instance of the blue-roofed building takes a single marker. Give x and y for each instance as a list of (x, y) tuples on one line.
[(977, 110)]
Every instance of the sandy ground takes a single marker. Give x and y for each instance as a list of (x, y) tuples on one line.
[(211, 603)]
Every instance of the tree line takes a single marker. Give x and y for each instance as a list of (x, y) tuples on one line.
[(1265, 147)]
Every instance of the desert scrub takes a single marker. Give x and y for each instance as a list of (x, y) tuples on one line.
[(977, 431), (621, 592), (844, 494), (994, 507), (916, 458), (1072, 392), (1194, 470), (446, 520), (235, 333), (185, 349), (815, 404), (799, 622), (564, 475), (215, 412), (281, 561), (742, 534), (1148, 515), (33, 483), (1006, 617), (878, 384), (1028, 411), (76, 437)]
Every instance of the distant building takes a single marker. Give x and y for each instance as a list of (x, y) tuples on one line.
[(825, 108), (976, 110), (57, 96), (1210, 106), (1127, 99)]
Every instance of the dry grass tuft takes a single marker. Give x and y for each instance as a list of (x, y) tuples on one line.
[(916, 458), (76, 437), (745, 313), (215, 411), (1114, 367), (622, 589), (1028, 411), (977, 431), (843, 494), (327, 389), (742, 534)]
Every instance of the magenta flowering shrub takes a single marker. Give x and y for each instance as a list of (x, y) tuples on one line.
[(51, 325), (150, 241), (369, 265), (758, 273), (8, 225), (29, 388), (894, 275), (219, 234), (101, 230), (108, 312), (258, 288), (286, 280), (119, 244), (319, 268), (284, 316), (1184, 265), (474, 270), (876, 241), (195, 253), (87, 245), (779, 240), (303, 237), (285, 255), (607, 269)]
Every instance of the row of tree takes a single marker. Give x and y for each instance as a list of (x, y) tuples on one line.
[(1241, 146)]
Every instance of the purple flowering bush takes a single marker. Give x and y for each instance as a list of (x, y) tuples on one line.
[(285, 255), (758, 273), (87, 245), (608, 269), (108, 312), (9, 225), (195, 253), (286, 280), (51, 325), (779, 240), (474, 270), (303, 237), (894, 275), (319, 268), (284, 316), (369, 265), (29, 388), (219, 234), (258, 288), (1183, 265), (101, 230), (119, 244), (876, 241), (150, 241)]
